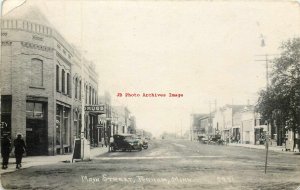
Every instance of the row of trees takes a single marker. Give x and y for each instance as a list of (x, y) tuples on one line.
[(279, 104)]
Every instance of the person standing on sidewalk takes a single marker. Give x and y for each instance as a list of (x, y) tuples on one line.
[(5, 150), (20, 148)]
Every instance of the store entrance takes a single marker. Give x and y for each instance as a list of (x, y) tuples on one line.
[(36, 137)]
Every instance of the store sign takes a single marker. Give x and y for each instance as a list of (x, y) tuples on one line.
[(96, 109)]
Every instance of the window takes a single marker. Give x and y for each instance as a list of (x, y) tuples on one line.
[(79, 90), (63, 81), (90, 95), (68, 84), (96, 98), (36, 72), (57, 78), (66, 126), (92, 101), (86, 94), (34, 110), (5, 104), (76, 125), (29, 109), (76, 87), (58, 124)]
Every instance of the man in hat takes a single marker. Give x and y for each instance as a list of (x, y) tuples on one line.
[(5, 150), (20, 147)]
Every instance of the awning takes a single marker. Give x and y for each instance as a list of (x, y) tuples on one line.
[(265, 127)]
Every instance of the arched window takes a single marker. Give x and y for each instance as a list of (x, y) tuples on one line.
[(80, 89), (63, 81), (90, 95), (96, 97), (86, 94), (68, 84), (36, 72), (93, 96), (57, 78), (76, 87)]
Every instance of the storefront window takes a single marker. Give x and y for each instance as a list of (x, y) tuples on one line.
[(66, 126), (38, 110), (58, 124), (34, 110), (29, 109), (76, 124), (6, 102)]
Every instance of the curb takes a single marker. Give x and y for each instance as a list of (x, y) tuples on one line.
[(65, 159), (281, 150)]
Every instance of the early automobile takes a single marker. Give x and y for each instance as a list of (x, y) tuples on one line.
[(144, 142), (125, 142)]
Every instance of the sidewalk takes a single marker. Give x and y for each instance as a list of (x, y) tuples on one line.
[(279, 149), (45, 160)]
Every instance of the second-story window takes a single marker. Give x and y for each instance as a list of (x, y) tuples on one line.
[(76, 88), (68, 84), (57, 78), (63, 81), (86, 94), (36, 72), (90, 95), (79, 90)]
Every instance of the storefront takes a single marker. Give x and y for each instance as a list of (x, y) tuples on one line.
[(6, 115), (36, 128), (95, 128), (63, 132), (236, 136), (260, 136), (77, 123)]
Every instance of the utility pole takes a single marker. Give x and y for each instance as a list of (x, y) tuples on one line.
[(268, 132), (85, 146)]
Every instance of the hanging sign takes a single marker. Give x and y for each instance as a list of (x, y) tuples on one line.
[(95, 108)]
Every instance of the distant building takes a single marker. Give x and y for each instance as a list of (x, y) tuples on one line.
[(223, 120), (107, 130), (123, 119), (196, 128), (132, 125)]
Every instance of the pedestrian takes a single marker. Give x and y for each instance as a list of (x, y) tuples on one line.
[(19, 150), (5, 150), (105, 141)]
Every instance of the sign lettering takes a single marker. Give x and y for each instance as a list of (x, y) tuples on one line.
[(96, 108)]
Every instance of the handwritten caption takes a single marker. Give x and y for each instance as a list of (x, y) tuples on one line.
[(141, 179)]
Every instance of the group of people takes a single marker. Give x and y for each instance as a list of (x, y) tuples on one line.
[(6, 146)]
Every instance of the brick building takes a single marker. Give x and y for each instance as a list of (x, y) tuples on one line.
[(44, 81), (123, 119)]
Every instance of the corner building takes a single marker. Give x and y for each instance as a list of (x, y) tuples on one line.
[(44, 81)]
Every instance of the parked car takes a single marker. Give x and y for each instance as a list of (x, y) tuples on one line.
[(144, 142), (125, 142), (216, 140), (203, 139)]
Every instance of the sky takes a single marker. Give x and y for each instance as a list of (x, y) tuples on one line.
[(206, 50)]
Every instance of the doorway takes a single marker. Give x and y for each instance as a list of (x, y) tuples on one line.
[(36, 137), (36, 128)]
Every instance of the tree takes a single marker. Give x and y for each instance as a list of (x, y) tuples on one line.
[(282, 97)]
